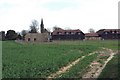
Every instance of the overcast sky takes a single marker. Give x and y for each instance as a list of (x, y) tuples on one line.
[(73, 14)]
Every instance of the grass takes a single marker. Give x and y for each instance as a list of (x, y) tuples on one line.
[(112, 44), (111, 69), (40, 60), (33, 60)]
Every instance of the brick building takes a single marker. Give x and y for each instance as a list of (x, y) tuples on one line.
[(92, 36), (62, 34), (109, 33)]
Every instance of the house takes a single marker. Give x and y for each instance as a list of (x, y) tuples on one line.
[(92, 36), (109, 33), (62, 34)]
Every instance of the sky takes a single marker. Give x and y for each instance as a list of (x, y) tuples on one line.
[(67, 14)]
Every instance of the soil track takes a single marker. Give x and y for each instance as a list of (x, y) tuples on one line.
[(66, 68), (95, 68)]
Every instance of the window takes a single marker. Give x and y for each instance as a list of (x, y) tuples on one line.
[(59, 32), (78, 33), (113, 32), (106, 32), (34, 39), (72, 33), (67, 33), (28, 39)]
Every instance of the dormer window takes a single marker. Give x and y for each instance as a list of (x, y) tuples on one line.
[(67, 33), (59, 32), (72, 32), (78, 33), (113, 32), (106, 32)]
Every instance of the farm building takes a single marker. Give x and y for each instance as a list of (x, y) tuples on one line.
[(109, 33), (62, 34), (36, 37), (92, 36)]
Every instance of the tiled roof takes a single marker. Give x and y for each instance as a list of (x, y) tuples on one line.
[(91, 35), (112, 30), (108, 30), (65, 31)]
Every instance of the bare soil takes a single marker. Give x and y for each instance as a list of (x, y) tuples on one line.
[(96, 67), (66, 68)]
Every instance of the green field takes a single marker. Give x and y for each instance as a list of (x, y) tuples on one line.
[(111, 70), (41, 60)]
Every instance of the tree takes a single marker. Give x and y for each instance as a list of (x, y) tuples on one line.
[(2, 35), (56, 28), (23, 33), (34, 26), (19, 36), (91, 30), (11, 35)]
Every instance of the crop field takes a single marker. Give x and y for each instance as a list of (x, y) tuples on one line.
[(41, 60)]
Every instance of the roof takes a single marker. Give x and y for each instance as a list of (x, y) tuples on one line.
[(63, 31), (108, 30), (34, 34), (91, 35), (112, 30)]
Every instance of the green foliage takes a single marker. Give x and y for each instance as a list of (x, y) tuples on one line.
[(41, 60), (11, 35), (38, 60), (111, 69)]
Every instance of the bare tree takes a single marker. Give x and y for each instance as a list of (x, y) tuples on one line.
[(56, 28), (91, 30), (34, 26), (23, 33)]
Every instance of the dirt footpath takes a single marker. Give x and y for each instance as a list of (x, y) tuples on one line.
[(96, 67), (66, 68)]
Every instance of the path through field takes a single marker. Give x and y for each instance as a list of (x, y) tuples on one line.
[(66, 68), (95, 68)]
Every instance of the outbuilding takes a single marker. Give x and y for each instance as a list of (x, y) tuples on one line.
[(92, 36)]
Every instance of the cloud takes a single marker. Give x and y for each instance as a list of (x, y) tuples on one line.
[(59, 5), (82, 14)]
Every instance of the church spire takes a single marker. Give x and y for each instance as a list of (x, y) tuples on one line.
[(42, 25)]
